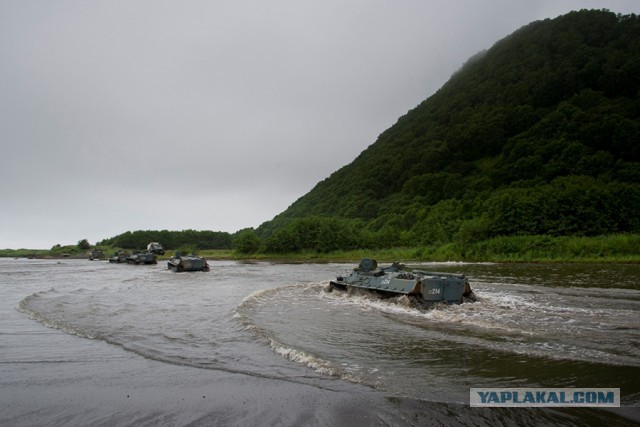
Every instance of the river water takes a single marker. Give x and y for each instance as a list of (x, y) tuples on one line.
[(88, 342)]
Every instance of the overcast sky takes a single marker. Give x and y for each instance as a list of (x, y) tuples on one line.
[(212, 115)]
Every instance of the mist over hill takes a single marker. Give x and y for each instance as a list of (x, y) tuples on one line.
[(538, 135)]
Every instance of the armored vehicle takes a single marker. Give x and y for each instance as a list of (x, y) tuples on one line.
[(427, 286), (119, 257), (155, 248), (179, 263), (142, 258), (96, 254)]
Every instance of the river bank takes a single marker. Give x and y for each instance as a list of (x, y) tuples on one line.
[(615, 248)]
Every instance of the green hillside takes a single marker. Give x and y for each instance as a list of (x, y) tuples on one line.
[(538, 135)]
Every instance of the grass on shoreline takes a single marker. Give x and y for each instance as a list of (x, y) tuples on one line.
[(602, 249), (610, 248), (621, 248)]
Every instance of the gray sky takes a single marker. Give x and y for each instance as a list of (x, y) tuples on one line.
[(212, 115)]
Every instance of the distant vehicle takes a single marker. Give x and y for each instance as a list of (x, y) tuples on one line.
[(427, 286), (180, 263), (155, 248), (142, 258), (119, 256), (96, 254)]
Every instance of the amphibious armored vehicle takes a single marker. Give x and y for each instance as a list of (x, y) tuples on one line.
[(427, 286), (119, 257), (179, 263), (96, 254), (142, 258), (155, 248)]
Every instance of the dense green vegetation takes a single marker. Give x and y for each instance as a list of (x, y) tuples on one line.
[(610, 248), (539, 135), (197, 240), (57, 251)]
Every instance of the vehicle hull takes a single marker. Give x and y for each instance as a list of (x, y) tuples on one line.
[(188, 263), (142, 258), (429, 286)]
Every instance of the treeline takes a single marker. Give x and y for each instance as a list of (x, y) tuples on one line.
[(138, 240), (568, 206), (539, 135)]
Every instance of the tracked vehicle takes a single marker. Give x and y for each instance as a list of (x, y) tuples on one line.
[(120, 257), (142, 258), (427, 286), (96, 254), (180, 263), (155, 248)]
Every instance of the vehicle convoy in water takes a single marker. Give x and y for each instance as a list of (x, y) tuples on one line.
[(180, 263), (426, 286)]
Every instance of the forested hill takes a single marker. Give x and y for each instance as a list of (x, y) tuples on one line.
[(540, 134)]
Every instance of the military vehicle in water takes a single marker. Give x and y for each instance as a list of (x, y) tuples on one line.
[(180, 263), (96, 254), (142, 258), (119, 257), (426, 286)]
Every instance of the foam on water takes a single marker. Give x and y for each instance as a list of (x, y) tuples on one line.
[(525, 323)]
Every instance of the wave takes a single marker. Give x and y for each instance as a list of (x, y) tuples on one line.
[(319, 364), (32, 304), (357, 336), (520, 323)]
